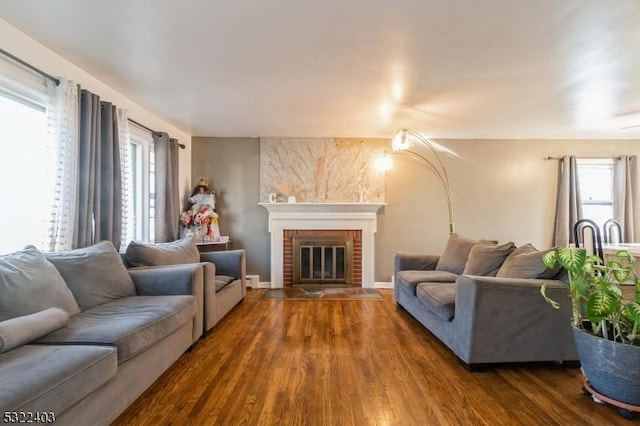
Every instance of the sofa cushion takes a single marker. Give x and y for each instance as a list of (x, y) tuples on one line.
[(53, 378), (486, 258), (29, 284), (173, 253), (408, 280), (132, 324), (455, 254), (17, 331), (439, 298), (526, 262), (95, 274)]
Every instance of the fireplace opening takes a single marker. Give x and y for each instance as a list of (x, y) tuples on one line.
[(322, 259)]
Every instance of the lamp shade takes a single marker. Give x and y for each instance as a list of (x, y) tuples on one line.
[(401, 141)]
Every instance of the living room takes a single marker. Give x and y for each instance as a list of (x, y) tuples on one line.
[(504, 108)]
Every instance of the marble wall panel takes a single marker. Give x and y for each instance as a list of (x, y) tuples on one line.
[(322, 170)]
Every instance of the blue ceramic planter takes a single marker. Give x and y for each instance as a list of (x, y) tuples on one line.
[(612, 368)]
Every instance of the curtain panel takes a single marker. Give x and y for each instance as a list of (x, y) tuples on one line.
[(99, 206), (626, 197), (167, 194), (568, 203), (62, 144)]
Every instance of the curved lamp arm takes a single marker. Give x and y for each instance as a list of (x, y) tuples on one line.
[(402, 143)]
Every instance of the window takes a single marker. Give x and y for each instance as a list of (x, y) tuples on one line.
[(142, 174), (24, 187), (596, 188)]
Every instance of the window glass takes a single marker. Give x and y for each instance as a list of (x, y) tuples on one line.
[(596, 188), (24, 188)]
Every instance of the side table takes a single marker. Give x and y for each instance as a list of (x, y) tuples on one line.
[(214, 246)]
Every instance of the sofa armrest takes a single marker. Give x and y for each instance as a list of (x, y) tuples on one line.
[(231, 262), (171, 280), (508, 319), (405, 261)]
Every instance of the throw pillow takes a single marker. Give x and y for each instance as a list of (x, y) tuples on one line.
[(173, 253), (29, 283), (526, 262), (95, 274), (455, 254), (485, 258), (17, 331)]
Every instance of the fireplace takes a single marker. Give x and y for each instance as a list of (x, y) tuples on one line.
[(322, 260), (310, 256), (354, 220)]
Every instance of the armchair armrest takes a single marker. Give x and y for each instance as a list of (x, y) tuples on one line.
[(167, 280), (405, 261), (231, 262)]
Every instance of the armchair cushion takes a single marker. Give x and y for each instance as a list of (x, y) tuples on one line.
[(486, 258), (156, 254), (222, 280), (95, 274), (29, 284), (17, 331), (526, 262)]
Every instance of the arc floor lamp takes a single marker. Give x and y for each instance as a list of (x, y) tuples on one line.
[(403, 141)]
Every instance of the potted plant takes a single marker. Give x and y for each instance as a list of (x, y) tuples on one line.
[(606, 322)]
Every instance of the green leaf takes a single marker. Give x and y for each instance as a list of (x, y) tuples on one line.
[(632, 312), (601, 304), (623, 254), (550, 259), (572, 259), (553, 303)]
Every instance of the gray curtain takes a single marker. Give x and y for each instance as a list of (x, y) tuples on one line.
[(99, 208), (167, 194), (626, 197), (568, 204)]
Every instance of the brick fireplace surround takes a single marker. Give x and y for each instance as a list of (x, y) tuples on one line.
[(289, 234), (350, 219)]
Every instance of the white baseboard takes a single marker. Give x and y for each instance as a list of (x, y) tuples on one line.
[(383, 284), (264, 284)]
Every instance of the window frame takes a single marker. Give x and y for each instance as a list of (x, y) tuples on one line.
[(141, 143)]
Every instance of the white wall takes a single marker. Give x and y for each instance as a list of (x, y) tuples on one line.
[(502, 189), (29, 50)]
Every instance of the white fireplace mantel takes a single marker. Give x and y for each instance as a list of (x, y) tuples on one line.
[(313, 216)]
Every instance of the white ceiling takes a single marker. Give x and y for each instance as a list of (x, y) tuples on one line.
[(359, 68)]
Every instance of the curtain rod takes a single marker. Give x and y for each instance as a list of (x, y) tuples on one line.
[(181, 145), (31, 67), (57, 82), (615, 157)]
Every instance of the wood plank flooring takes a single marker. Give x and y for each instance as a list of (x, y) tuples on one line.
[(367, 362)]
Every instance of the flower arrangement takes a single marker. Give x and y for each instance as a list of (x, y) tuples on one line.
[(204, 217)]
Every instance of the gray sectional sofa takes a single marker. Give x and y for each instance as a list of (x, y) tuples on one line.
[(483, 301), (81, 337)]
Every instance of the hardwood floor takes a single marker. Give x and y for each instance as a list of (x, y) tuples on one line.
[(368, 362)]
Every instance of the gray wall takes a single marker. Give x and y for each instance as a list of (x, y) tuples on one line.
[(502, 189), (233, 165)]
